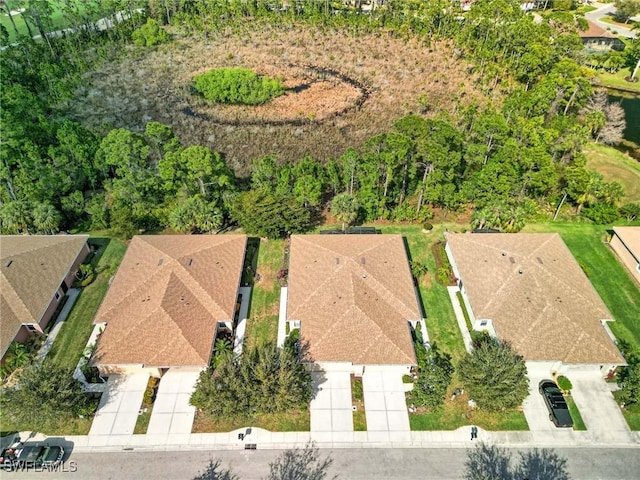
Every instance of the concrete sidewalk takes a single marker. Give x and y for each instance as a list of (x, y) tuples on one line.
[(72, 296), (263, 439)]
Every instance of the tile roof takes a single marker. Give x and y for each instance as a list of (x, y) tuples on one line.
[(630, 236), (32, 268), (536, 295), (354, 296), (164, 303)]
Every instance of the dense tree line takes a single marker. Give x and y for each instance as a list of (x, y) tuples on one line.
[(512, 161)]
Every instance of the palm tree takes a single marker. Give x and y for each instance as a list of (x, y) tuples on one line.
[(345, 208), (46, 219)]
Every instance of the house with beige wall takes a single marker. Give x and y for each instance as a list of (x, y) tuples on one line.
[(168, 300), (626, 243), (353, 298), (527, 289), (36, 271)]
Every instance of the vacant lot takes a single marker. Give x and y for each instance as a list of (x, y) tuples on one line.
[(615, 166), (343, 89)]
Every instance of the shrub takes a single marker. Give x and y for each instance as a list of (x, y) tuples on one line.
[(601, 213), (418, 269), (150, 34), (238, 86), (428, 226), (564, 383), (443, 275), (357, 390), (407, 379)]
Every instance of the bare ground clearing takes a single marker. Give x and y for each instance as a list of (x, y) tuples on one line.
[(321, 114)]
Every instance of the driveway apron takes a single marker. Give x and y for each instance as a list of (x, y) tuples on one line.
[(171, 412), (384, 400), (119, 405), (331, 408)]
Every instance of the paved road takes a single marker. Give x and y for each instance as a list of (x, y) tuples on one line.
[(604, 10), (387, 464)]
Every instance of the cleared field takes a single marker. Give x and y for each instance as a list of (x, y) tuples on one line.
[(343, 88), (614, 165)]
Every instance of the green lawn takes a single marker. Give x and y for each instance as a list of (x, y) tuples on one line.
[(442, 326), (76, 330), (617, 80), (578, 423), (292, 421), (58, 20), (610, 279), (615, 165), (615, 23), (631, 414), (262, 324)]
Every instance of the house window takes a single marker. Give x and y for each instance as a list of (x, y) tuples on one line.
[(57, 296), (31, 327), (483, 323)]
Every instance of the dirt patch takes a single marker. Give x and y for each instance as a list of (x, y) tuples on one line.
[(343, 89)]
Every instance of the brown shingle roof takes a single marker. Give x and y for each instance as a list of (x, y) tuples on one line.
[(164, 303), (536, 294), (630, 236), (354, 296), (595, 31), (38, 266)]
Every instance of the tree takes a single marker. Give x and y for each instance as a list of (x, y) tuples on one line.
[(215, 472), (44, 393), (150, 34), (613, 130), (300, 464), (435, 371), (271, 215), (345, 208), (46, 219), (489, 462), (495, 376), (627, 8), (264, 379)]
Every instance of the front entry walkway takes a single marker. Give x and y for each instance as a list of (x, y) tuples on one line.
[(171, 412), (331, 409), (119, 405), (385, 405)]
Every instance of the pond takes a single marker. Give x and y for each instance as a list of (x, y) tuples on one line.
[(631, 105)]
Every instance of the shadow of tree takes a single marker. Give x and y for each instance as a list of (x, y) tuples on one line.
[(489, 462)]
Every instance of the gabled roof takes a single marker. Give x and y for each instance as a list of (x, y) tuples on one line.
[(630, 236), (164, 303), (536, 295), (32, 269), (354, 296)]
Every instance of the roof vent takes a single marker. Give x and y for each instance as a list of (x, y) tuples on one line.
[(160, 261), (8, 264), (364, 275), (540, 261), (190, 262), (504, 254), (520, 271), (363, 261), (337, 260), (512, 260)]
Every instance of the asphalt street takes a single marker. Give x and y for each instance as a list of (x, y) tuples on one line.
[(348, 464)]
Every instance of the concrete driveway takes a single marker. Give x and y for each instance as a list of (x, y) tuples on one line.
[(385, 405), (119, 405), (331, 409), (603, 10), (171, 412), (598, 408), (534, 408)]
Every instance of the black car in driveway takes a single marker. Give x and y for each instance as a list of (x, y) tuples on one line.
[(556, 404)]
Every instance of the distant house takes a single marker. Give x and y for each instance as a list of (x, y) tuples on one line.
[(35, 273), (353, 298), (598, 40), (528, 289), (626, 243), (171, 296)]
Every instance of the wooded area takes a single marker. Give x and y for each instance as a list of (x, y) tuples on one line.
[(513, 160)]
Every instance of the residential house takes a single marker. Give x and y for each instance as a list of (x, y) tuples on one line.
[(168, 300), (353, 298), (35, 273), (598, 40), (528, 289), (626, 243)]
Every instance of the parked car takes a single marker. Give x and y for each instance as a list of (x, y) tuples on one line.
[(34, 455), (556, 404)]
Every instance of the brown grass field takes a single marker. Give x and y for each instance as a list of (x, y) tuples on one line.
[(343, 89)]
